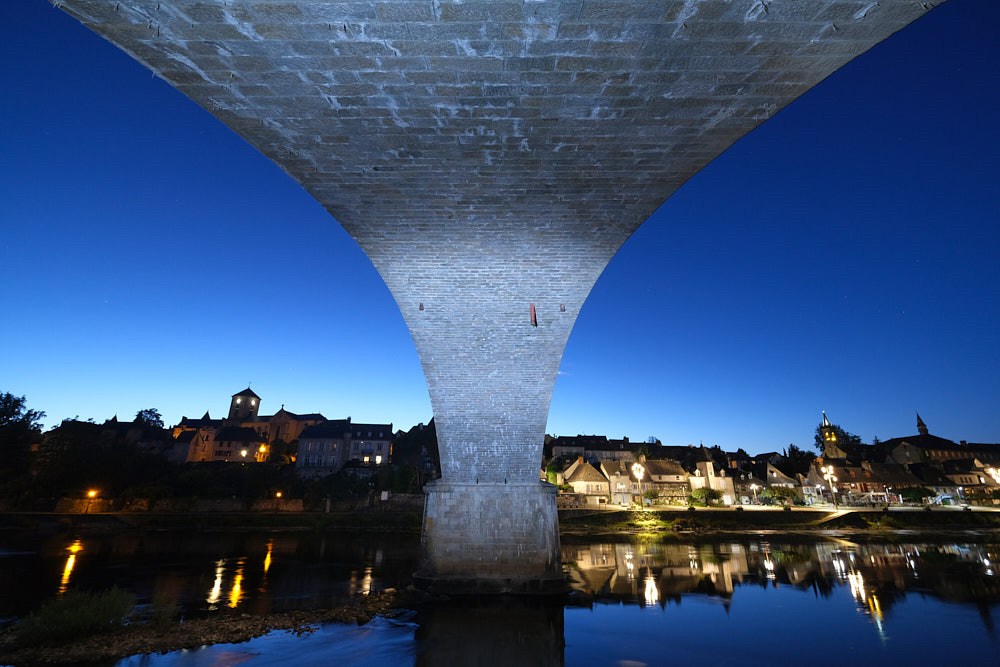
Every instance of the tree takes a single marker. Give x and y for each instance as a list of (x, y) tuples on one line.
[(797, 461), (13, 412), (150, 418), (20, 428), (781, 493)]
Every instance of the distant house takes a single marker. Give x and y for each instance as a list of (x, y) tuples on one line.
[(340, 445), (323, 448), (864, 483), (668, 479), (707, 476), (229, 443), (924, 447), (588, 482), (766, 471), (626, 487)]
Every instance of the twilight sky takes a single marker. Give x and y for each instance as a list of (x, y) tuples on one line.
[(842, 257)]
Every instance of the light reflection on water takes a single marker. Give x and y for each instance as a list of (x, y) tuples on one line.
[(73, 550), (632, 600)]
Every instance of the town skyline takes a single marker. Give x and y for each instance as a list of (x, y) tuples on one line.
[(838, 258)]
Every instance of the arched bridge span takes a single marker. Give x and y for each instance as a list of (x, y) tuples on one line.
[(491, 157)]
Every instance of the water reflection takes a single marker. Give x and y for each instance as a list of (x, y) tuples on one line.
[(878, 576), (635, 591), (73, 550), (491, 631)]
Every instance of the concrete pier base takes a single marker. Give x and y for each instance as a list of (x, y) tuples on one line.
[(490, 538)]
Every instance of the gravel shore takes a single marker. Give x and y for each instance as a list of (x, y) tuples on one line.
[(141, 638)]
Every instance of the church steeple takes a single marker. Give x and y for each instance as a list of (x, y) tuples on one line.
[(244, 406), (921, 426), (827, 432)]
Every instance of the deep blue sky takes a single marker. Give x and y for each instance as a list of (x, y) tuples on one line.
[(841, 257)]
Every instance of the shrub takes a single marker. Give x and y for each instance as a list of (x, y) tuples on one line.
[(165, 612), (77, 614), (703, 496)]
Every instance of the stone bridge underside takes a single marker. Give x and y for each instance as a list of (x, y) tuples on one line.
[(491, 157)]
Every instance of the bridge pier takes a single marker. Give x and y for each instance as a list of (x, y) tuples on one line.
[(490, 538)]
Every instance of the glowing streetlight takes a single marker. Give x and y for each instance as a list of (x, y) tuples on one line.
[(831, 479), (753, 487), (639, 472), (278, 494), (92, 493)]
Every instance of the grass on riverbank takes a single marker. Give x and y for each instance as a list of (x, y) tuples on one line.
[(629, 522)]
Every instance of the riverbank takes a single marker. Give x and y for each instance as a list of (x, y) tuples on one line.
[(144, 638), (572, 522), (582, 524)]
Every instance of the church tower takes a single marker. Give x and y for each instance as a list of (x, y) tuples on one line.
[(827, 432), (921, 426), (244, 406)]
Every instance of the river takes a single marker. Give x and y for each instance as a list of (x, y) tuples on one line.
[(663, 600)]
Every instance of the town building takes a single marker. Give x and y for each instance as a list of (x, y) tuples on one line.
[(337, 445)]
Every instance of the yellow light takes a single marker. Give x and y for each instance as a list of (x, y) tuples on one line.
[(237, 591), (216, 593), (267, 558), (243, 452), (92, 493), (857, 583), (651, 594), (263, 448), (278, 494), (73, 550), (378, 460), (67, 571)]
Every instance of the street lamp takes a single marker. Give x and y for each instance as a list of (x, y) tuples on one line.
[(91, 494), (639, 471), (753, 487), (831, 480)]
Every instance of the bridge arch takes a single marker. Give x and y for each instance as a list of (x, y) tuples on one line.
[(491, 158)]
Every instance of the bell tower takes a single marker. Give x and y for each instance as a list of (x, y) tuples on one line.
[(244, 406)]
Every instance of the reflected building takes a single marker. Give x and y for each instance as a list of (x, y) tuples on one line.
[(877, 575)]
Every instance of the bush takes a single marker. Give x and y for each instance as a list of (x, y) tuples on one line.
[(77, 614), (703, 496), (165, 612)]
